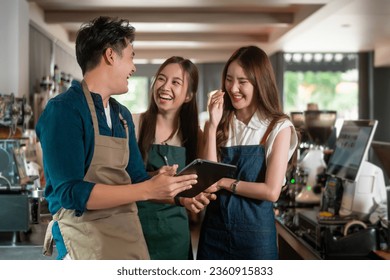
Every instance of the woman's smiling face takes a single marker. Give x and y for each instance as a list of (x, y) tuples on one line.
[(239, 88), (170, 87)]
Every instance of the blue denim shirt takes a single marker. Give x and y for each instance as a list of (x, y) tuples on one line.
[(66, 133)]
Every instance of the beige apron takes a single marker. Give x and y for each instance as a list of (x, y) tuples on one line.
[(113, 233)]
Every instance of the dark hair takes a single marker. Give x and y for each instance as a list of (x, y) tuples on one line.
[(258, 69), (189, 123), (96, 36)]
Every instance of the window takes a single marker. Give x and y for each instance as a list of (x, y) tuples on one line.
[(330, 80), (137, 98)]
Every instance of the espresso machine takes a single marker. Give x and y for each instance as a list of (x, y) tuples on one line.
[(319, 125), (20, 192)]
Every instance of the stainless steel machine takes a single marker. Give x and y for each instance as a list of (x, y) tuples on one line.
[(353, 213), (20, 192)]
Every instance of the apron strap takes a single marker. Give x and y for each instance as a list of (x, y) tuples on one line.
[(125, 125), (48, 241), (268, 131), (91, 106)]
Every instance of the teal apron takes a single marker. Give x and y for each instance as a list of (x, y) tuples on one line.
[(165, 226)]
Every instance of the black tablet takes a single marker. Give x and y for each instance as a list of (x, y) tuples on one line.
[(208, 173)]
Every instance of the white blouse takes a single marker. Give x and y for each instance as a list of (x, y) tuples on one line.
[(251, 134)]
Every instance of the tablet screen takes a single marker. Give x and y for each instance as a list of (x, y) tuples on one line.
[(351, 148), (208, 173)]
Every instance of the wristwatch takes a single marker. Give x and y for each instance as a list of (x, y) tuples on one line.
[(233, 186)]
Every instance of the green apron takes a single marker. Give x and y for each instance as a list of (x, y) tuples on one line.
[(165, 226)]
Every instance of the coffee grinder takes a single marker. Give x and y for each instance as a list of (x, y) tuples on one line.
[(298, 120), (319, 125), (294, 175)]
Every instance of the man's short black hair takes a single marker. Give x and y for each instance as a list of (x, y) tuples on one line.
[(96, 36)]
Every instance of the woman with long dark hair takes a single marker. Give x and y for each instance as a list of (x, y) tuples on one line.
[(247, 128), (169, 134)]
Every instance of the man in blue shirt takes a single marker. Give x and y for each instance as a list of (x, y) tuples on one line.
[(93, 168)]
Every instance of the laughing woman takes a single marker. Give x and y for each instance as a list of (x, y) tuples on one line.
[(247, 128), (169, 134)]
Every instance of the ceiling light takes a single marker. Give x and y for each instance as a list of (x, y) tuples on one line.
[(307, 57), (318, 57), (287, 57), (338, 57), (297, 57), (328, 57)]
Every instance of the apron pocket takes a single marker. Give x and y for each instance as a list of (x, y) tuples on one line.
[(116, 236)]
